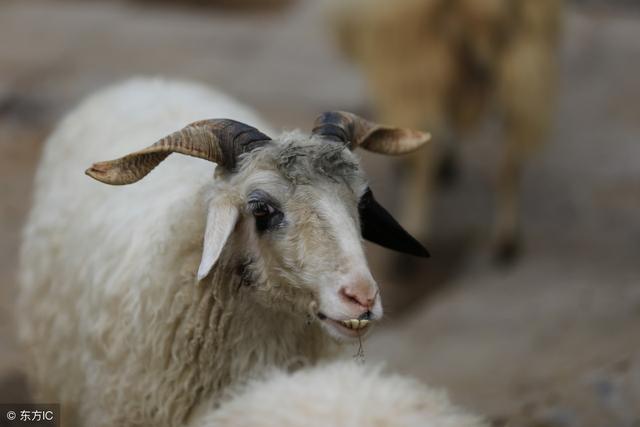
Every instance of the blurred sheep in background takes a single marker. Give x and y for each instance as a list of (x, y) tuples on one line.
[(438, 64)]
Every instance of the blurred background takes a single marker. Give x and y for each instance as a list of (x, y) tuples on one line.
[(529, 199)]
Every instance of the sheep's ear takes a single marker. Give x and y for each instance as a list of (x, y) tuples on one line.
[(221, 220), (378, 226)]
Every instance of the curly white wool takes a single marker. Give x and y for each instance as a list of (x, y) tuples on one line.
[(339, 394)]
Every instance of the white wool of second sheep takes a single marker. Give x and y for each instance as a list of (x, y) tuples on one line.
[(338, 394)]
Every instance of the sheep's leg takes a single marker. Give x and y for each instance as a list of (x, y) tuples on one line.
[(526, 86), (419, 174), (419, 185), (417, 181), (447, 164), (507, 222)]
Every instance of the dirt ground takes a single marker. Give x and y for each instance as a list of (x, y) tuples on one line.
[(553, 340)]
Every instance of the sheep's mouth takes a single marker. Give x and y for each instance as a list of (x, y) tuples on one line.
[(351, 328)]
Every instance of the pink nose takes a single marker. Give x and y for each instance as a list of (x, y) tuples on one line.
[(360, 292)]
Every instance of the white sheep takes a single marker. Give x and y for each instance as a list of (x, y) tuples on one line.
[(442, 64), (339, 394), (129, 316)]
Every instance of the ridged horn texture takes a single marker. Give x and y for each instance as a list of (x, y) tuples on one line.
[(217, 140), (354, 131)]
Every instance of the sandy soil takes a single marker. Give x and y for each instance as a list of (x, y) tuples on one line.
[(553, 340)]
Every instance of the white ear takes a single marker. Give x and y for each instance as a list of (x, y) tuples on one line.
[(221, 220)]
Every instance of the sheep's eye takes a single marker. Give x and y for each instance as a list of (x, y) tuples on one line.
[(261, 209), (266, 216)]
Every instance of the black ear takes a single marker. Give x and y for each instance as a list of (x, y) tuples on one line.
[(378, 226)]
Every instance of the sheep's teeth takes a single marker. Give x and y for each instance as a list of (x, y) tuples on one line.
[(349, 323), (355, 323)]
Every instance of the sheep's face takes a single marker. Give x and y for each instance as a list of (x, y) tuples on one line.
[(287, 216), (298, 230)]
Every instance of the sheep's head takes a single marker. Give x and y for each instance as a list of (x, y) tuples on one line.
[(291, 213)]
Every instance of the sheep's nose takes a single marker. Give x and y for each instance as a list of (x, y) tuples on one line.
[(361, 292)]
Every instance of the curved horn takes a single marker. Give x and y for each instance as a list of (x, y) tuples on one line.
[(218, 140), (354, 131)]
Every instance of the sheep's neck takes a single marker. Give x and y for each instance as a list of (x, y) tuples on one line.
[(222, 337)]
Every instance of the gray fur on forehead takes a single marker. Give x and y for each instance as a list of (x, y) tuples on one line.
[(301, 159)]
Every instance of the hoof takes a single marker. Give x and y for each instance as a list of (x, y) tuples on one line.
[(507, 252), (448, 170)]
